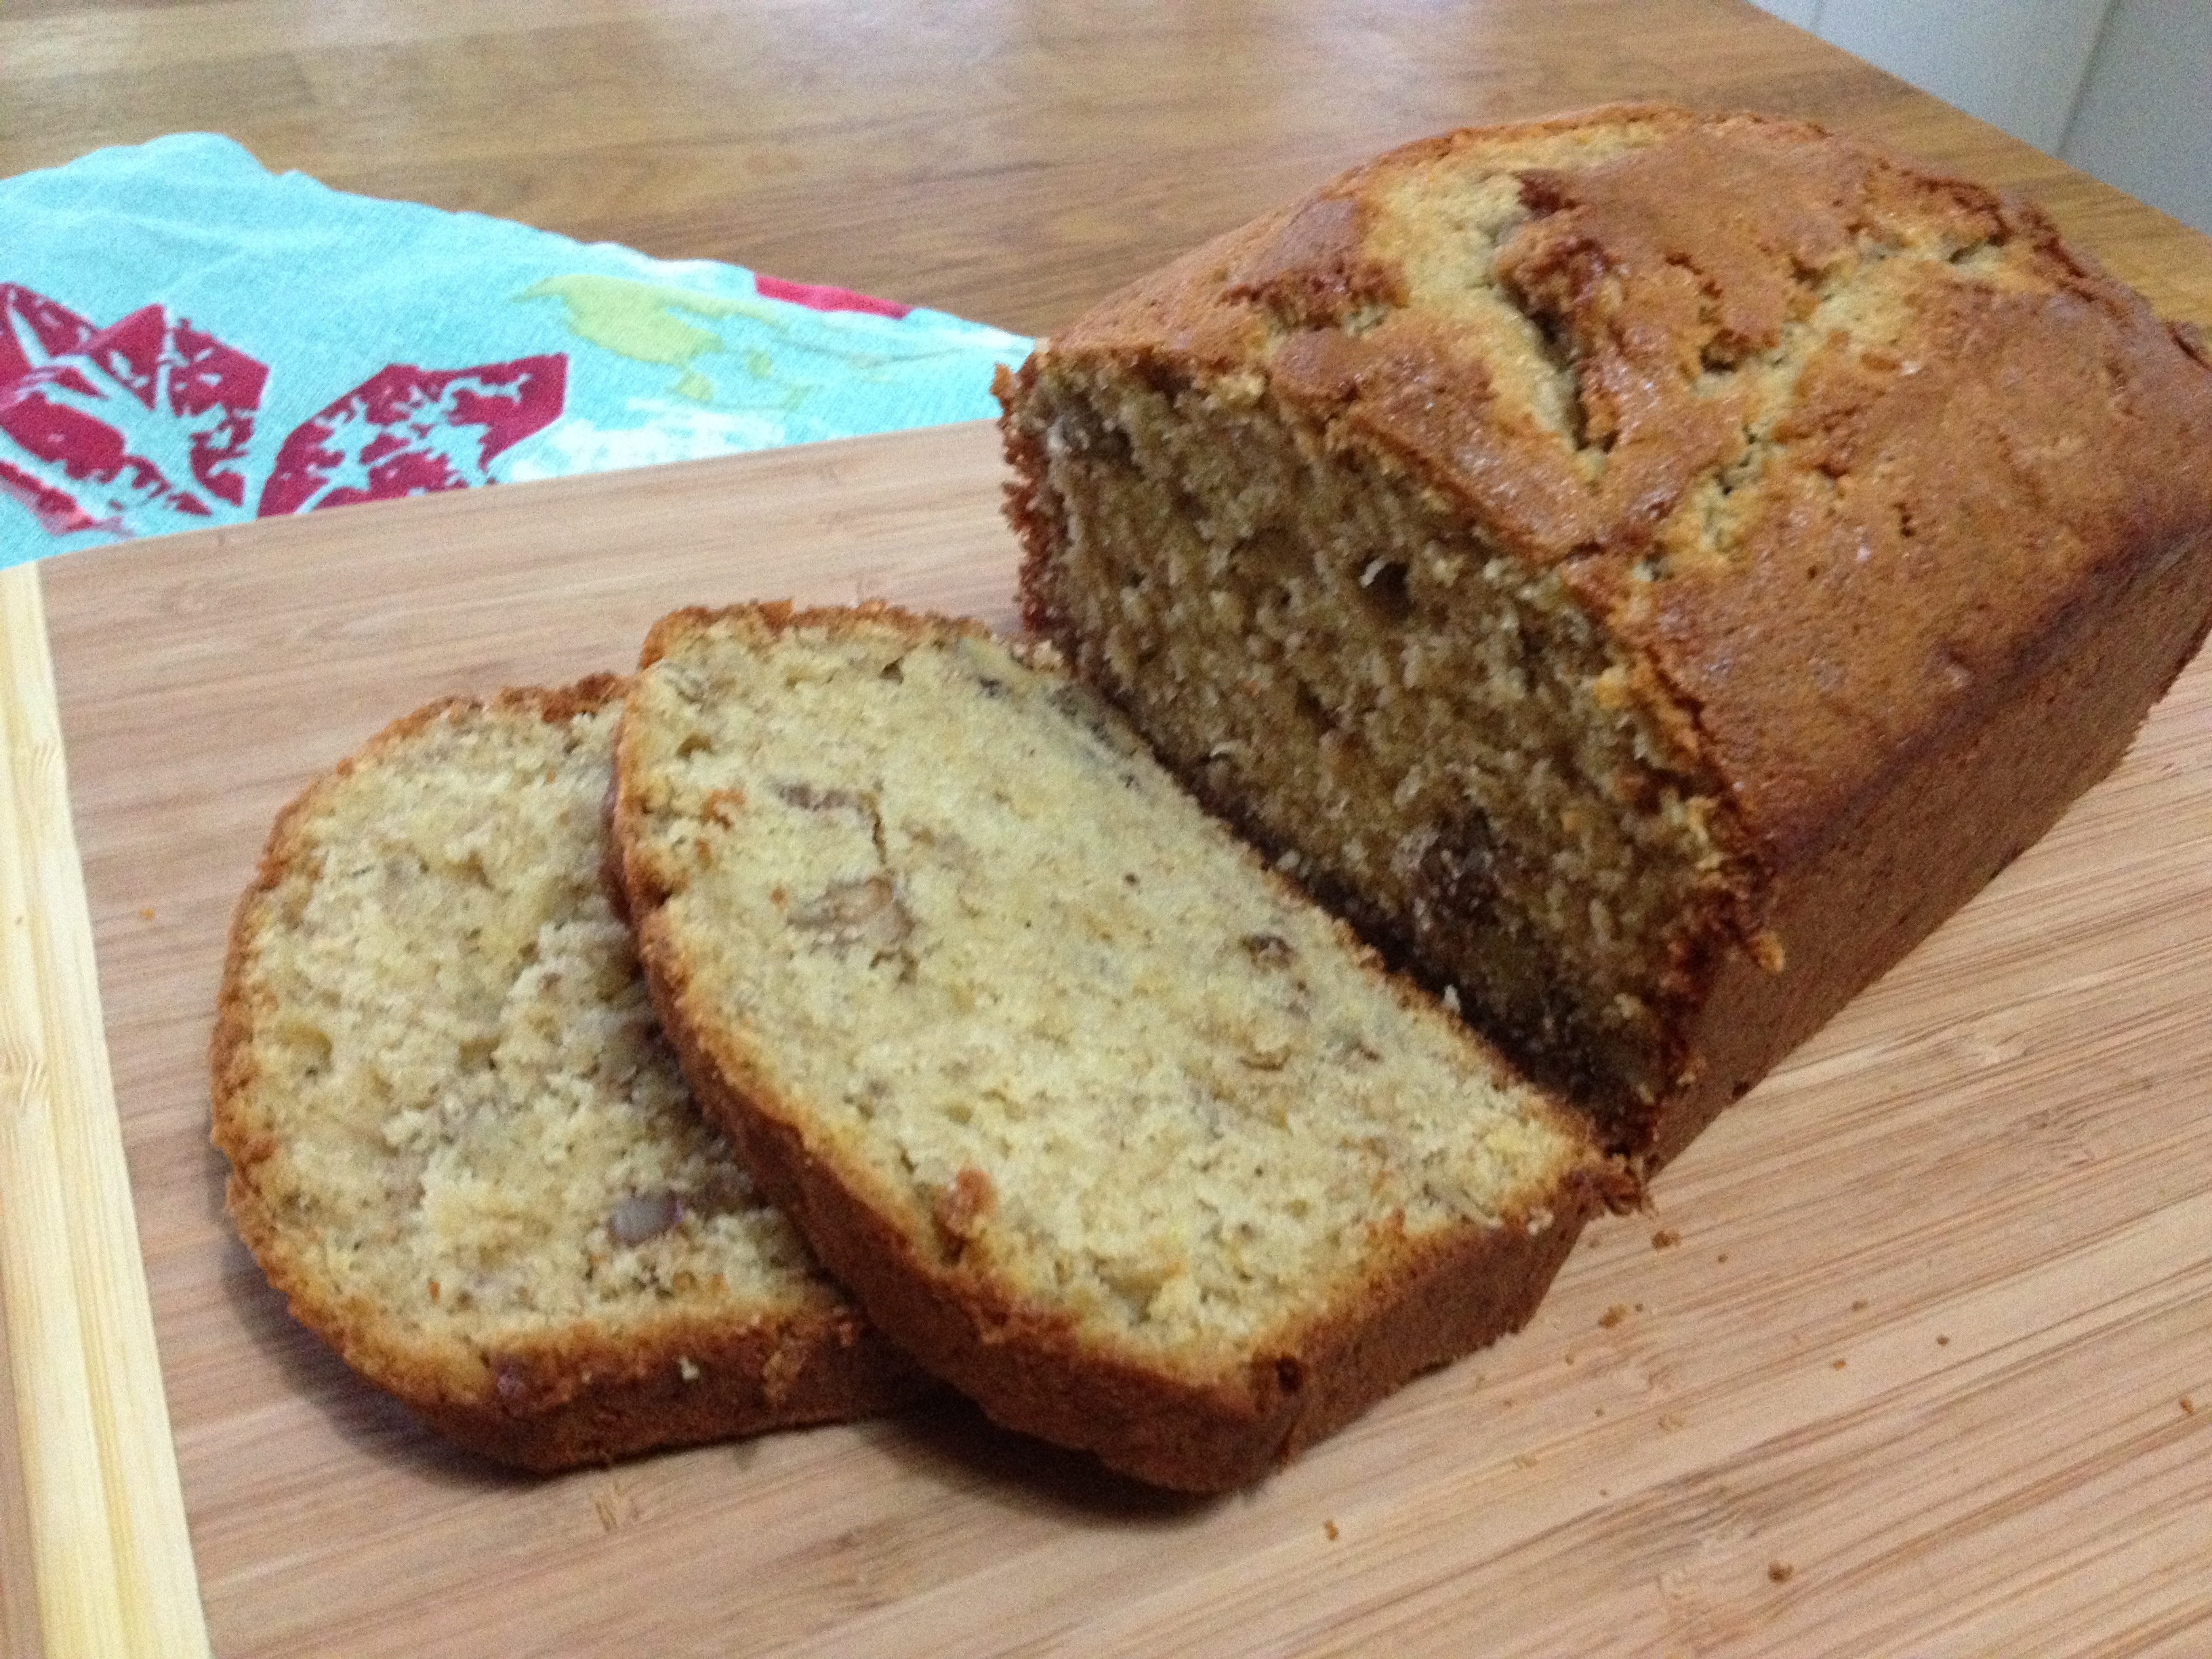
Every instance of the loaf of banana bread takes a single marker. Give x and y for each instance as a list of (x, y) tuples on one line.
[(1647, 568)]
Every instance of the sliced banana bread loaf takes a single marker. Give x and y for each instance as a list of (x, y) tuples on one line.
[(459, 1144), (1647, 567), (1097, 1116)]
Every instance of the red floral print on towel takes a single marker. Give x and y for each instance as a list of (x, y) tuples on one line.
[(143, 424), (820, 297), (408, 431), (32, 330)]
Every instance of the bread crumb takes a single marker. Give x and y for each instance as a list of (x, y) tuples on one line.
[(962, 1208), (2188, 1405), (1942, 1341), (1329, 1527), (614, 1504), (1723, 1256), (146, 913), (1613, 1315), (1838, 1366), (1779, 1571), (1665, 1239)]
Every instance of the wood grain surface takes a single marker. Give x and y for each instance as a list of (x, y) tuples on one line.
[(1903, 1359), (1005, 162), (1914, 1354), (111, 1556)]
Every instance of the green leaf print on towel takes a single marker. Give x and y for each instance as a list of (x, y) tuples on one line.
[(639, 321)]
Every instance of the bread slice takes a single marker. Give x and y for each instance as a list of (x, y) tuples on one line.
[(457, 1142), (1096, 1115), (1648, 567)]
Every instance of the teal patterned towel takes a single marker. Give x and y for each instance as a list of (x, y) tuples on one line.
[(187, 339)]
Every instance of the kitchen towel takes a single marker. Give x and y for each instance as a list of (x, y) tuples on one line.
[(188, 339)]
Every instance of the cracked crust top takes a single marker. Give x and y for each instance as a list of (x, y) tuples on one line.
[(1737, 379)]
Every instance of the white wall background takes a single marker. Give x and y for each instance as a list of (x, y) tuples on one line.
[(2120, 88)]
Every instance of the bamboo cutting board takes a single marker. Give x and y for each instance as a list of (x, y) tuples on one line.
[(1912, 1353)]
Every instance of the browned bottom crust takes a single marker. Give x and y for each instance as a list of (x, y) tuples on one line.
[(572, 1398), (1027, 1372), (796, 1376)]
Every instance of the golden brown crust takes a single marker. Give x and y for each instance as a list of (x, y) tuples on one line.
[(1029, 1367), (1846, 562), (781, 617), (561, 1398), (1964, 806)]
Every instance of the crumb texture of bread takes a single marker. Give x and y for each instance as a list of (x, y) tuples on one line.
[(1097, 1117), (460, 1144), (1646, 567)]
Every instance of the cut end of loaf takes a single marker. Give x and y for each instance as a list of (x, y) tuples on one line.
[(1433, 737)]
